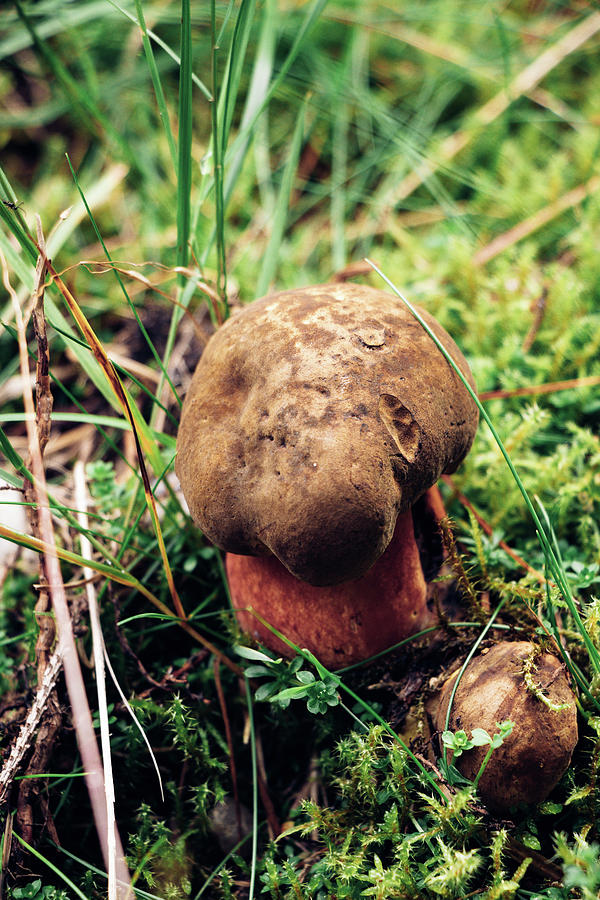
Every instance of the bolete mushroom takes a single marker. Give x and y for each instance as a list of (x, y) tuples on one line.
[(517, 682), (315, 419)]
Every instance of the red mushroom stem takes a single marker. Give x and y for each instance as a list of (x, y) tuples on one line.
[(348, 622)]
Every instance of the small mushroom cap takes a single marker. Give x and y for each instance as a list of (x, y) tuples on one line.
[(534, 757), (314, 417)]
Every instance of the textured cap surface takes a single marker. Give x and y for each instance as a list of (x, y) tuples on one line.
[(313, 418), (533, 758)]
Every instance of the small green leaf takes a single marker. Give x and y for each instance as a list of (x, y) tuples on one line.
[(292, 693), (531, 841), (504, 730), (257, 671), (250, 653), (264, 691), (548, 808), (480, 737), (314, 705)]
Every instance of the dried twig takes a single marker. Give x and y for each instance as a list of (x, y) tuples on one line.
[(82, 718), (272, 819), (29, 727), (227, 726), (50, 716), (538, 308), (352, 270), (549, 388)]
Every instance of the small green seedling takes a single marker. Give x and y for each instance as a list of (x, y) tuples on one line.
[(458, 742), (288, 681)]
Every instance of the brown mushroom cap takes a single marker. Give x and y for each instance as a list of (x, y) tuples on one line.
[(314, 417)]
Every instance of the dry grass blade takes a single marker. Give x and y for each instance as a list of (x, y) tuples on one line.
[(536, 221), (522, 84), (82, 718), (119, 391), (120, 576), (98, 645)]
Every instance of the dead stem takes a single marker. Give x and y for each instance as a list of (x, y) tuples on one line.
[(82, 718), (549, 388)]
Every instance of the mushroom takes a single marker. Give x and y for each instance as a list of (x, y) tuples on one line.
[(516, 682), (315, 420)]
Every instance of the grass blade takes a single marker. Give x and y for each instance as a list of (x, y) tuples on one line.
[(233, 74), (217, 146), (121, 576), (156, 83), (184, 165), (254, 789), (51, 866), (269, 265)]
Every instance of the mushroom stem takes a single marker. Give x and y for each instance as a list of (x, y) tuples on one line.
[(348, 622)]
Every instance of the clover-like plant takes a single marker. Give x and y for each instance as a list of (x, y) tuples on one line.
[(287, 681), (458, 742)]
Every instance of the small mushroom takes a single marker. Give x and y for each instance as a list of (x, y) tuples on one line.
[(516, 682), (315, 420)]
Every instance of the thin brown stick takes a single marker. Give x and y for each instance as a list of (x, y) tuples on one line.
[(549, 388), (43, 417), (272, 818), (50, 718), (538, 308), (352, 270)]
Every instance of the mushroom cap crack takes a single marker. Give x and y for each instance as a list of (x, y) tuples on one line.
[(314, 417)]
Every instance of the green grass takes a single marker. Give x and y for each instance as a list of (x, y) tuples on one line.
[(212, 152)]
